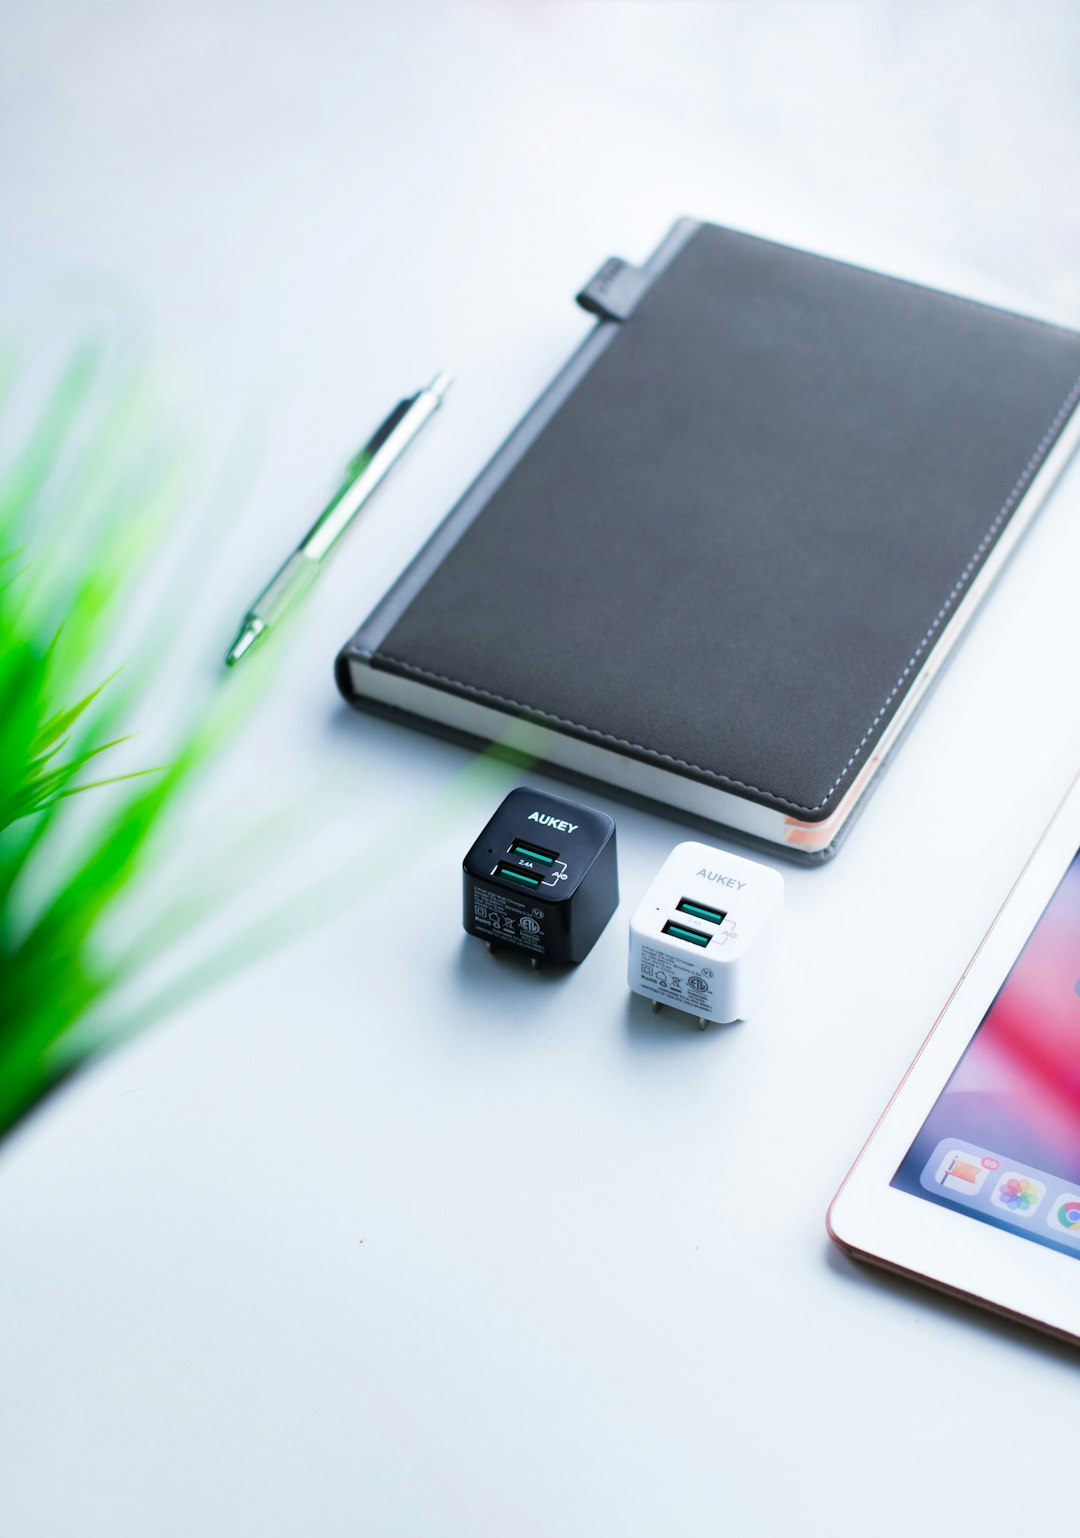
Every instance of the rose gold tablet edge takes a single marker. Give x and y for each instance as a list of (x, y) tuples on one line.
[(1014, 1316), (852, 1250)]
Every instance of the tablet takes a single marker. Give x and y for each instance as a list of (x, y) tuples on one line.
[(971, 1179)]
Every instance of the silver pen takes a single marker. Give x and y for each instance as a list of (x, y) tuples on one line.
[(363, 474)]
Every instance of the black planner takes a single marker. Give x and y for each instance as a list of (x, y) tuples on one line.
[(720, 560)]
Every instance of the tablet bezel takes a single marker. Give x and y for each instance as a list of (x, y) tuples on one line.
[(874, 1221)]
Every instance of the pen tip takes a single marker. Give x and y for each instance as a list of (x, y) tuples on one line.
[(249, 634), (441, 383)]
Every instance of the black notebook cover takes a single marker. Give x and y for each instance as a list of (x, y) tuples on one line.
[(718, 561)]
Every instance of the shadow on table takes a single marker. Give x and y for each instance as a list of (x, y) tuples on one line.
[(674, 1029), (965, 1315), (476, 968)]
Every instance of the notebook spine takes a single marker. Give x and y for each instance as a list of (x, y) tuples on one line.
[(623, 289)]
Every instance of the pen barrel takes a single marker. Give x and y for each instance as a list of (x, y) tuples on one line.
[(289, 585), (368, 469), (364, 473)]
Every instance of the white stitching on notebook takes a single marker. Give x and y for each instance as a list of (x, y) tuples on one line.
[(713, 774), (577, 726), (936, 295), (980, 550)]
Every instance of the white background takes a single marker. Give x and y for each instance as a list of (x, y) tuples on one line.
[(388, 1237)]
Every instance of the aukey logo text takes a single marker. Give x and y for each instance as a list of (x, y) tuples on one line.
[(552, 822), (714, 875)]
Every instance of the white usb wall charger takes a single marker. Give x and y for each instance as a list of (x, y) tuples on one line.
[(707, 935)]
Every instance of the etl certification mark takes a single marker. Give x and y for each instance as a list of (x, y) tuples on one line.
[(529, 925)]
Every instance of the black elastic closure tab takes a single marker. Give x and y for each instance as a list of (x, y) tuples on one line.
[(614, 292)]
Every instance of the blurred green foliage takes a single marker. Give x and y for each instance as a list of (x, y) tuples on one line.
[(85, 483), (96, 590)]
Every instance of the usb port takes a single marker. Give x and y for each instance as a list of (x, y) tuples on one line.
[(701, 911), (527, 851), (684, 932), (515, 874)]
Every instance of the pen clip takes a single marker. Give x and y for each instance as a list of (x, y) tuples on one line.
[(376, 441)]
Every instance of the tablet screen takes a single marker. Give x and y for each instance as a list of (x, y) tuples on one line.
[(1002, 1142)]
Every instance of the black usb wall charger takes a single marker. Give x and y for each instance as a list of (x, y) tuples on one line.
[(542, 877)]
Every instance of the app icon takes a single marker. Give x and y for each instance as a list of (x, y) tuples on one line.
[(963, 1171), (1064, 1213), (1019, 1194)]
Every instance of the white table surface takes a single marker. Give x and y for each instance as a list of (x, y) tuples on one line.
[(385, 1236)]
